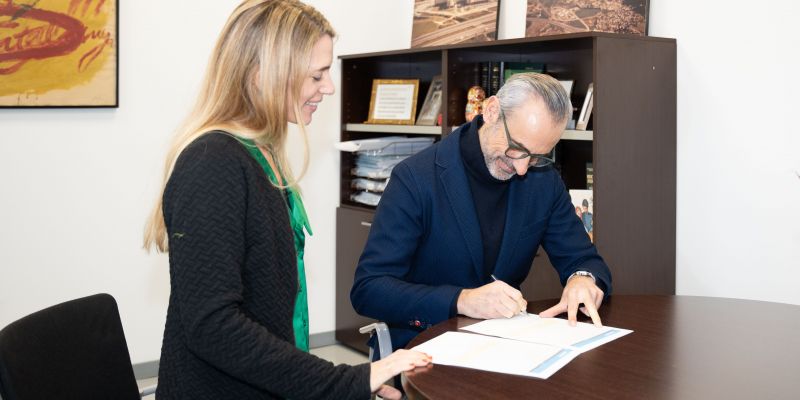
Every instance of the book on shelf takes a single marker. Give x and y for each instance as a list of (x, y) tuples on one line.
[(589, 176), (476, 75), (485, 76), (494, 78), (511, 68), (583, 202), (491, 75)]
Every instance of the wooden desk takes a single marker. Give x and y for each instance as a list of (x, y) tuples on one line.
[(682, 347)]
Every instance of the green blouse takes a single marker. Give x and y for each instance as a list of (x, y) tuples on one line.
[(299, 221)]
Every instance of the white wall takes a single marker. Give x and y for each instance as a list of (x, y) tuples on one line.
[(77, 184), (738, 146)]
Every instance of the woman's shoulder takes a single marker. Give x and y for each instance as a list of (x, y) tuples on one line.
[(217, 147), (214, 153), (214, 164), (215, 142)]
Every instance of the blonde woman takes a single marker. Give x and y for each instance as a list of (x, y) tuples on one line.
[(234, 225)]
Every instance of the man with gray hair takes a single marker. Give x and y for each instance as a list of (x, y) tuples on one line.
[(459, 223)]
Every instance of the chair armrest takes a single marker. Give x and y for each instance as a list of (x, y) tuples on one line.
[(147, 390), (384, 340)]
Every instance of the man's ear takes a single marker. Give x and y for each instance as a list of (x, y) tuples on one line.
[(491, 110)]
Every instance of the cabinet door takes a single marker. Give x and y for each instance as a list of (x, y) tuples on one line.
[(352, 228)]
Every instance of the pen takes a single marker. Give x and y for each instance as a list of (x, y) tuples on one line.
[(523, 311)]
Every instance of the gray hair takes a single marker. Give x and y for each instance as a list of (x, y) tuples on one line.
[(525, 86)]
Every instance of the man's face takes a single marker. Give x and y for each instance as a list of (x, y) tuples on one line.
[(530, 125)]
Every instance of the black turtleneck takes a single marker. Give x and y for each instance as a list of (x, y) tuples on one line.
[(490, 195)]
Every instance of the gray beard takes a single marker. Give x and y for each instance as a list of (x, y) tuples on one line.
[(495, 171)]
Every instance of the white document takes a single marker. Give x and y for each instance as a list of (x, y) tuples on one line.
[(523, 345), (495, 354), (553, 331)]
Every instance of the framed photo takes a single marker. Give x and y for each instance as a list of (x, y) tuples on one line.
[(442, 22), (583, 201), (555, 17), (393, 101), (433, 103), (586, 110), (58, 53), (567, 84)]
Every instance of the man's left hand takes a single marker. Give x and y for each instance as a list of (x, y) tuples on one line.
[(579, 290)]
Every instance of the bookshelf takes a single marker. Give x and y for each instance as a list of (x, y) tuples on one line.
[(631, 144), (569, 134), (397, 129)]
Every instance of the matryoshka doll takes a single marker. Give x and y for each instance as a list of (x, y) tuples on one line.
[(475, 97)]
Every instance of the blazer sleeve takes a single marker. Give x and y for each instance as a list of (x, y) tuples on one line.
[(380, 289), (567, 244), (205, 208)]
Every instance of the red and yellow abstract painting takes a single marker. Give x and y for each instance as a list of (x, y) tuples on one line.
[(58, 53)]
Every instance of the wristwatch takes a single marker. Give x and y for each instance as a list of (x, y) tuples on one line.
[(582, 273)]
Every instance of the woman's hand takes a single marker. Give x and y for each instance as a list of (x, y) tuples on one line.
[(397, 362)]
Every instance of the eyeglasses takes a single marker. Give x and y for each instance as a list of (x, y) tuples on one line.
[(517, 151)]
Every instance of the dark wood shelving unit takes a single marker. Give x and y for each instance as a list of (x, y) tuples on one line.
[(632, 148)]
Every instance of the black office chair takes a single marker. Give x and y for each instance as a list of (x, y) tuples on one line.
[(73, 350)]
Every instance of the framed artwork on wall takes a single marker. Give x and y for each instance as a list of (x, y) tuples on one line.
[(59, 53), (555, 17), (443, 22)]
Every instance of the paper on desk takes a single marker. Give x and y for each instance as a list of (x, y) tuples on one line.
[(552, 331), (496, 354), (524, 345)]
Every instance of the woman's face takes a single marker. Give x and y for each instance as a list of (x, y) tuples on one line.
[(316, 83)]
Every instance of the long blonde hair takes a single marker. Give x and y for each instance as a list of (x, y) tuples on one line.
[(261, 57)]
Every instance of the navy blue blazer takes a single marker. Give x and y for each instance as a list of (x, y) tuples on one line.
[(425, 242)]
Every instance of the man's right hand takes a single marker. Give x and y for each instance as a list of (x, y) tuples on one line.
[(494, 300)]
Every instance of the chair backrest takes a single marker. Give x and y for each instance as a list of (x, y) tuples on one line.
[(73, 350)]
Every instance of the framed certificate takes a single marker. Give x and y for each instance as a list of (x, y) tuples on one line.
[(394, 101)]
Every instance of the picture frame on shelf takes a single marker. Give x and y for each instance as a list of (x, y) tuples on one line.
[(567, 84), (583, 201), (393, 101), (586, 110), (432, 105), (58, 55)]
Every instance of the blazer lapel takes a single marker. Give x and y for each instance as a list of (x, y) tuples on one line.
[(456, 187)]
